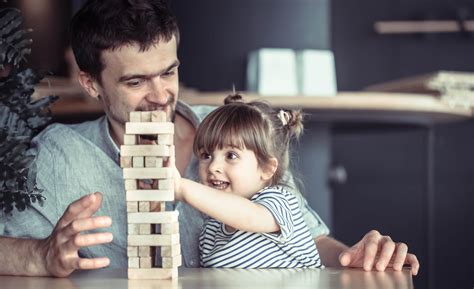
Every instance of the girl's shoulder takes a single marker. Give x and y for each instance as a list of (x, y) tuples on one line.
[(274, 191)]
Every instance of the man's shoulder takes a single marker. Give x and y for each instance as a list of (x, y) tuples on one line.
[(195, 113), (67, 134), (54, 132), (203, 110)]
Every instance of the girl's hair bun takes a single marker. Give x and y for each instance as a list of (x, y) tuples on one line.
[(234, 97)]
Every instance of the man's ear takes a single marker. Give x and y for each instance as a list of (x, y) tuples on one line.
[(269, 169), (89, 84)]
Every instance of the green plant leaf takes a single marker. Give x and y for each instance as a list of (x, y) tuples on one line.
[(21, 118)]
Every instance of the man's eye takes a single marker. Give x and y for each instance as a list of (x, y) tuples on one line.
[(169, 73), (134, 83)]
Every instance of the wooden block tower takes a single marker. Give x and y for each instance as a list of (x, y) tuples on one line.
[(152, 230)]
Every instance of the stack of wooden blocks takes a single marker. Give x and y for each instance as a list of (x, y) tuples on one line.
[(456, 88), (148, 144)]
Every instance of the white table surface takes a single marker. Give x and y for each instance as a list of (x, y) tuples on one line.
[(222, 278)]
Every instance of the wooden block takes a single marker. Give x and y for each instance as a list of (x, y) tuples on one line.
[(159, 116), (170, 228), (152, 273), (129, 139), (133, 229), (153, 217), (153, 283), (170, 251), (130, 185), (165, 139), (166, 184), (153, 240), (146, 116), (146, 262), (132, 251), (135, 116), (147, 173), (149, 128), (150, 195), (144, 229), (133, 262), (143, 206), (138, 162), (153, 162), (132, 207), (125, 162), (147, 150), (171, 262), (146, 251)]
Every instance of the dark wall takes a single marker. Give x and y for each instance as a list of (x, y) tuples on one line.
[(364, 57), (49, 20), (218, 35)]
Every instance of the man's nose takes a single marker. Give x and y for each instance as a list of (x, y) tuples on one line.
[(158, 92)]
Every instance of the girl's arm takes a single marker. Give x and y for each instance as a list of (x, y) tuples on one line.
[(233, 210)]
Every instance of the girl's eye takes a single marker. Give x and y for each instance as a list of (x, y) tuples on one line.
[(205, 156), (232, 156)]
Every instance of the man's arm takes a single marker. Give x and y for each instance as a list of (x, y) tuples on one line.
[(329, 250), (21, 257), (58, 255)]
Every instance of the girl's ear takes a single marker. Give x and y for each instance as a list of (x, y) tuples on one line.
[(269, 169), (89, 84)]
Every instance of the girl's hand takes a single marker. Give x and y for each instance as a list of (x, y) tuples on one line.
[(178, 193)]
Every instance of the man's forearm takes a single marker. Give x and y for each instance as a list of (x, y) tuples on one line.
[(21, 257), (329, 250)]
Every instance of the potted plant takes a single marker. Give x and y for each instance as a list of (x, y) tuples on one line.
[(21, 117)]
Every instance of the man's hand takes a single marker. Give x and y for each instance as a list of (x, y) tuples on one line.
[(381, 251), (61, 248)]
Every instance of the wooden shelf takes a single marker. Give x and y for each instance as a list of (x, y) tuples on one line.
[(427, 26), (345, 106), (358, 106)]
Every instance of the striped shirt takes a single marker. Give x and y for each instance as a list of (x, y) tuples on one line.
[(291, 247)]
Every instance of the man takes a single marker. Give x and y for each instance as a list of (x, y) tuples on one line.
[(127, 54)]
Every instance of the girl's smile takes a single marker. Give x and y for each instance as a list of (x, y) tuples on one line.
[(232, 169)]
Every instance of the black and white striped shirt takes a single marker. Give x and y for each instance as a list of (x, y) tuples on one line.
[(291, 247)]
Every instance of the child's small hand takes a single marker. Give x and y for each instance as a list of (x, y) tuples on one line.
[(176, 175)]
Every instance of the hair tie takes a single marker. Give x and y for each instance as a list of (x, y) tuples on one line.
[(284, 116)]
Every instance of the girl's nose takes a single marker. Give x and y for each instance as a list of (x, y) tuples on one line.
[(215, 166)]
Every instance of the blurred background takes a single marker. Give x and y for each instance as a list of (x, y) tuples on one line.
[(407, 172), (219, 35)]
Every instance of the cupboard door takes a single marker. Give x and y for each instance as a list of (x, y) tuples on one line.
[(453, 200), (386, 185)]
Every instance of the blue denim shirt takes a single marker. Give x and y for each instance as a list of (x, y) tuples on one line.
[(75, 160)]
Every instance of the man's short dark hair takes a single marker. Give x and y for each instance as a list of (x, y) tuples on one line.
[(108, 24)]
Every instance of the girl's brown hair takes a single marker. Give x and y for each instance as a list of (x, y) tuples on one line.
[(255, 126)]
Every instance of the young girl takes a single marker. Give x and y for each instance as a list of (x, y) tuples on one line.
[(255, 222)]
